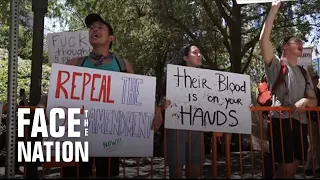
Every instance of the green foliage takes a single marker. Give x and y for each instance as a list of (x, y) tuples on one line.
[(23, 75), (225, 32), (55, 10), (25, 40)]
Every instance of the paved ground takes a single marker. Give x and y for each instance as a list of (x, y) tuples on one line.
[(248, 170)]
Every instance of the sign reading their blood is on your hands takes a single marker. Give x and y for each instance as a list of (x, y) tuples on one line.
[(207, 100), (119, 107)]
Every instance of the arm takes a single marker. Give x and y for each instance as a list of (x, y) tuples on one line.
[(267, 51), (158, 120), (311, 99)]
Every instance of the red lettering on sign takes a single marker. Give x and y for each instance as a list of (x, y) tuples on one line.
[(74, 85), (108, 91), (82, 110), (88, 80), (95, 76), (60, 84)]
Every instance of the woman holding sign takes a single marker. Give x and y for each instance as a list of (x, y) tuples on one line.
[(186, 139)]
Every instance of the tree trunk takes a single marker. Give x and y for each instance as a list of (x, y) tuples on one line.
[(160, 90), (235, 37), (235, 56)]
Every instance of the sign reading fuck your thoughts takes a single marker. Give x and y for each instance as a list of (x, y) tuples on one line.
[(64, 46)]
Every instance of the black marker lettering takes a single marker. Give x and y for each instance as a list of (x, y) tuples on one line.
[(190, 82), (207, 117), (235, 119), (220, 115), (225, 85), (197, 115), (54, 39), (63, 42), (212, 118), (182, 113), (213, 99), (204, 83), (195, 98), (70, 40), (81, 40), (192, 97), (232, 101)]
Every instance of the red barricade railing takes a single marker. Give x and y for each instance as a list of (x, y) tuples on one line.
[(251, 161)]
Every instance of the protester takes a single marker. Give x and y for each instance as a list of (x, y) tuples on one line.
[(314, 153), (289, 93), (100, 37), (191, 58)]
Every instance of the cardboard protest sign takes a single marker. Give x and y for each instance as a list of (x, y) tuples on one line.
[(207, 100), (120, 108), (67, 45), (306, 59), (257, 1)]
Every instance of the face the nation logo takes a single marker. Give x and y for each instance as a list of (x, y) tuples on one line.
[(67, 150)]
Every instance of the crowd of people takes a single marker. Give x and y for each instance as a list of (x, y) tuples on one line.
[(296, 91)]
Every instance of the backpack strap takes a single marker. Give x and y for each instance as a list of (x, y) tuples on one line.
[(280, 77), (81, 60), (305, 75), (121, 64)]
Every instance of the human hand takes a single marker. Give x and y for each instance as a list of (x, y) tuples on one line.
[(299, 105), (158, 120), (276, 4), (166, 103)]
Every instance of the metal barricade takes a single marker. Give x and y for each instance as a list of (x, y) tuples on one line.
[(251, 161)]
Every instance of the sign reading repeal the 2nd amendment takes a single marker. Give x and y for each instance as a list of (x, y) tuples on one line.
[(119, 107), (67, 45), (207, 100)]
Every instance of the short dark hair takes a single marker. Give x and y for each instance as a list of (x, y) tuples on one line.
[(185, 52), (186, 49)]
